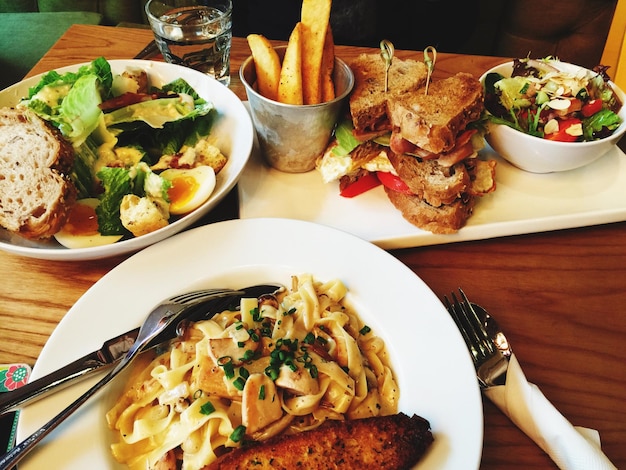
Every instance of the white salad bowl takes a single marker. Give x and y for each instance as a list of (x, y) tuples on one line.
[(537, 155), (232, 132)]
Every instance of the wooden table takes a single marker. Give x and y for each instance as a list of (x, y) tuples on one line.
[(560, 296)]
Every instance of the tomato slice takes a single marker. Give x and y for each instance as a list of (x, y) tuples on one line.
[(562, 135), (393, 182), (362, 184), (591, 108)]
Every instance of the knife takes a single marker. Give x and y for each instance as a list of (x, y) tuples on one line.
[(112, 350), (150, 50)]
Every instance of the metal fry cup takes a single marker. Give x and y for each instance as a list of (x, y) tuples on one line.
[(292, 136)]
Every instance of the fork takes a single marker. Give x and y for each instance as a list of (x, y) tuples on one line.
[(488, 346), (523, 402), (162, 316)]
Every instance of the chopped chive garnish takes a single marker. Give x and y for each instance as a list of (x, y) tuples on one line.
[(256, 314), (239, 383), (207, 408), (309, 338), (262, 392), (254, 335), (365, 330), (226, 362), (238, 433), (248, 355), (271, 372)]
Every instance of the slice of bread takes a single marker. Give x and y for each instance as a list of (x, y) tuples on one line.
[(395, 441), (368, 100), (432, 121), (429, 180), (445, 219), (444, 197), (35, 191)]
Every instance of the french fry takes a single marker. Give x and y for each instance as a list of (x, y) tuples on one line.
[(315, 16), (267, 65), (290, 85), (328, 66)]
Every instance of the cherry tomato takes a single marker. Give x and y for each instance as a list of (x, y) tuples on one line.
[(393, 182), (562, 135), (591, 108), (362, 184)]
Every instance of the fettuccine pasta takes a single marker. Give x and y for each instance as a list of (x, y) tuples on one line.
[(281, 364)]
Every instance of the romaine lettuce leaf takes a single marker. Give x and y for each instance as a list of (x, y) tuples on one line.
[(117, 183), (79, 112), (346, 142), (82, 171), (198, 128), (156, 113), (181, 86), (99, 67), (70, 100)]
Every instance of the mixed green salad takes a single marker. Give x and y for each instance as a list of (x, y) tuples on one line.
[(121, 128), (544, 101)]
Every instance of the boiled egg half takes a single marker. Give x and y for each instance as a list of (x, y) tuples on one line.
[(191, 187), (81, 228)]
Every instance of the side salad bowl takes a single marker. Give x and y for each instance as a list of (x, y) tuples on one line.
[(542, 155), (232, 133)]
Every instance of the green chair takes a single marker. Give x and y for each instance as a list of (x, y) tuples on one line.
[(28, 28)]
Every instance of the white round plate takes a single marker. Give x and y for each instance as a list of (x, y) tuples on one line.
[(234, 136), (434, 371)]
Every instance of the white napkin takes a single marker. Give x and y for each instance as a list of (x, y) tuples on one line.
[(570, 447)]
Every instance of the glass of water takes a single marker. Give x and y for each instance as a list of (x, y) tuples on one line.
[(194, 33)]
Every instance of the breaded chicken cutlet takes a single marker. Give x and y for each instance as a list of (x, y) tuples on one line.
[(385, 442)]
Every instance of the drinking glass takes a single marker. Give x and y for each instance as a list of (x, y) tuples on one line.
[(194, 33)]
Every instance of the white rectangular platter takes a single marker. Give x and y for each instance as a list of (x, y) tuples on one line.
[(522, 203)]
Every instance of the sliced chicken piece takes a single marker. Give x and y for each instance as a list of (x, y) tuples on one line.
[(260, 405), (297, 381)]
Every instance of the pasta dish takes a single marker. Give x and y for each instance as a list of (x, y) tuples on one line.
[(282, 363)]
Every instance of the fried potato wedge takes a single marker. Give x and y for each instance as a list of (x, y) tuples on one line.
[(328, 67), (315, 16), (290, 85), (267, 65)]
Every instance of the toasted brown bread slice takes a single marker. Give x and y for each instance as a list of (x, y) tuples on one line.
[(396, 441), (432, 121), (35, 191), (368, 99), (445, 219), (429, 180)]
